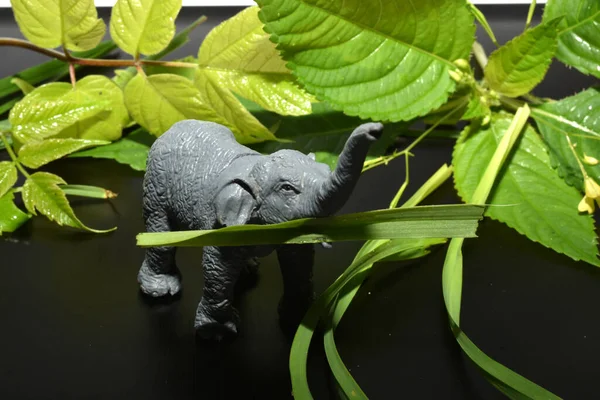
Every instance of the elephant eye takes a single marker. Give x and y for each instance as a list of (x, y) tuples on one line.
[(288, 188)]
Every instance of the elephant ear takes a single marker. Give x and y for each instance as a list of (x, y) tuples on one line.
[(234, 204)]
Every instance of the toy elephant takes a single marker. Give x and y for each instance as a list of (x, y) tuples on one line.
[(199, 177)]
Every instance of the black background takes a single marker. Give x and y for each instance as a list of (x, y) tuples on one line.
[(73, 324)]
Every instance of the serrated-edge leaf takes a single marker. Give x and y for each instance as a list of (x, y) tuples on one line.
[(11, 217), (127, 151), (70, 23), (42, 193), (545, 207), (47, 111), (8, 176), (36, 154), (576, 117), (520, 65), (246, 128), (143, 27), (356, 56), (579, 35), (94, 109), (240, 56), (157, 102), (103, 126)]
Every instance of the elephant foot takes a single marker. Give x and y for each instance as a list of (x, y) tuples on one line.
[(208, 327), (158, 285)]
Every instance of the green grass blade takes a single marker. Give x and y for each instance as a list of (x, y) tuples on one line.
[(434, 182), (344, 288), (54, 69), (8, 105), (344, 379), (305, 332), (416, 222), (505, 380), (408, 249)]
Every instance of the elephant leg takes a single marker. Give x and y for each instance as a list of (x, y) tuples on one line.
[(296, 264), (159, 275), (216, 318)]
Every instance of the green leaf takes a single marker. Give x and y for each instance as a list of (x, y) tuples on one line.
[(94, 109), (323, 132), (104, 126), (529, 196), (577, 117), (47, 111), (477, 108), (123, 76), (131, 150), (358, 57), (8, 176), (36, 154), (70, 23), (143, 27), (520, 65), (42, 193), (245, 126), (11, 218), (416, 222), (579, 33), (240, 57), (22, 84), (93, 192), (54, 69), (156, 102)]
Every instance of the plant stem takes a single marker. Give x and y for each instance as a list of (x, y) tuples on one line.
[(13, 156), (480, 55), (572, 147), (530, 14), (506, 143), (383, 160), (91, 61), (71, 67)]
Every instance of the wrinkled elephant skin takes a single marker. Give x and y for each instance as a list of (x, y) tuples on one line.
[(199, 177)]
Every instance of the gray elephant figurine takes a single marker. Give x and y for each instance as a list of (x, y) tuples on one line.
[(199, 177)]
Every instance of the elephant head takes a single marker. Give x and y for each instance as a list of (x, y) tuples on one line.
[(288, 185)]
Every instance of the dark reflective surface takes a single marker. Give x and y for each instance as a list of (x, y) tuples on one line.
[(74, 324)]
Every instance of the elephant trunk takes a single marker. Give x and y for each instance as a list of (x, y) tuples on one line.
[(336, 190)]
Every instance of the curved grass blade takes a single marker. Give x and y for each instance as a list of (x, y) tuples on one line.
[(409, 249), (505, 380), (416, 222)]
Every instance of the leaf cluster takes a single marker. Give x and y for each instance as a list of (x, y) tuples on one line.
[(301, 74)]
